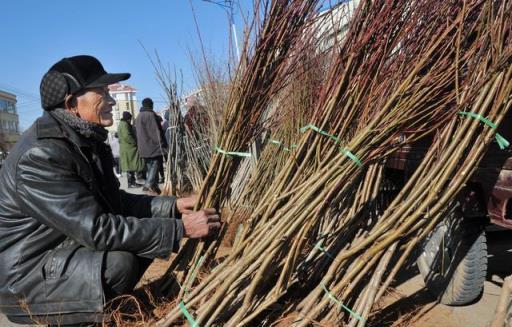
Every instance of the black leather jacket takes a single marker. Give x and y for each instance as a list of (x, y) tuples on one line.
[(60, 210)]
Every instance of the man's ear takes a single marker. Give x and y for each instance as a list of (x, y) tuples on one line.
[(70, 102)]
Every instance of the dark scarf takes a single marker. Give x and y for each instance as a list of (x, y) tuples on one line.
[(88, 130), (99, 155)]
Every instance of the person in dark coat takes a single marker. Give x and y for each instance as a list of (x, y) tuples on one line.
[(131, 162), (150, 144), (71, 239)]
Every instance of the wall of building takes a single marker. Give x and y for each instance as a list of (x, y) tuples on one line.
[(331, 25), (9, 120), (126, 100)]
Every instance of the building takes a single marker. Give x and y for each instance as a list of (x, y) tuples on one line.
[(9, 121), (332, 24), (126, 100)]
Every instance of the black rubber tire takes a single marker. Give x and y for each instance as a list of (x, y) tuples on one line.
[(455, 275)]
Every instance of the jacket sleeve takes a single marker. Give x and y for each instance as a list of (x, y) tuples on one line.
[(50, 190), (148, 206)]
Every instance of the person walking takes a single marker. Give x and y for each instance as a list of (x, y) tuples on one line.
[(131, 162), (150, 144)]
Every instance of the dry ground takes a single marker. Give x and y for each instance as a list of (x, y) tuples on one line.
[(411, 297)]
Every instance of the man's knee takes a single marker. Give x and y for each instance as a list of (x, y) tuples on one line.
[(121, 272)]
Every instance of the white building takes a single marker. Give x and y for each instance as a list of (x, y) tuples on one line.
[(9, 121), (126, 100), (332, 24)]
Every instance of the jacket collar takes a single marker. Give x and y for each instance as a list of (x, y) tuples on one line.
[(48, 127)]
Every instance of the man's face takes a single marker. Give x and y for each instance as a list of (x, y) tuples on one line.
[(95, 106)]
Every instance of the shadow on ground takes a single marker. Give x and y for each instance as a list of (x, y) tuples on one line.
[(403, 306)]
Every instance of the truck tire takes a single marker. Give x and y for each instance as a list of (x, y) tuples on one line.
[(453, 260)]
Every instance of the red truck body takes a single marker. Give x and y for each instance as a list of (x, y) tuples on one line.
[(489, 191)]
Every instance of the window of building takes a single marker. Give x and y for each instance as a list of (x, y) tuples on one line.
[(11, 108), (7, 106), (3, 105)]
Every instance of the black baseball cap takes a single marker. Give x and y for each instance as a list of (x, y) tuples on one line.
[(88, 72), (73, 74)]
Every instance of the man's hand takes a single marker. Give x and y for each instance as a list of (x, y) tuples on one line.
[(201, 223), (186, 205)]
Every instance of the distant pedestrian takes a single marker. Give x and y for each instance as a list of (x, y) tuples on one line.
[(131, 162), (150, 144), (114, 146)]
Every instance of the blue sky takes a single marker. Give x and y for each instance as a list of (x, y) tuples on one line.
[(36, 34)]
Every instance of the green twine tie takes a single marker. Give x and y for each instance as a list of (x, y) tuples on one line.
[(231, 153), (280, 144), (345, 151), (352, 156), (187, 315), (318, 130), (338, 302), (319, 247), (502, 142)]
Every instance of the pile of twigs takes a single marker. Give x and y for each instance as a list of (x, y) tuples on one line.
[(203, 119), (176, 177), (360, 273), (314, 242), (262, 72)]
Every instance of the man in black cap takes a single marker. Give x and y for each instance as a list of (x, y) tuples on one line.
[(72, 240), (150, 144)]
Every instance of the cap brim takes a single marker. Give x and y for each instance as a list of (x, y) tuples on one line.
[(108, 79)]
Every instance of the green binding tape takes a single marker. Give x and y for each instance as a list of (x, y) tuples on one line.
[(345, 151), (317, 246), (318, 130), (187, 315), (502, 142), (280, 144), (230, 153), (338, 302), (352, 156)]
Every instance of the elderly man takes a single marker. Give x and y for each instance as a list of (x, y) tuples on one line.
[(72, 240)]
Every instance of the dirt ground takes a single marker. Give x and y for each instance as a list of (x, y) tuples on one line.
[(411, 299)]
